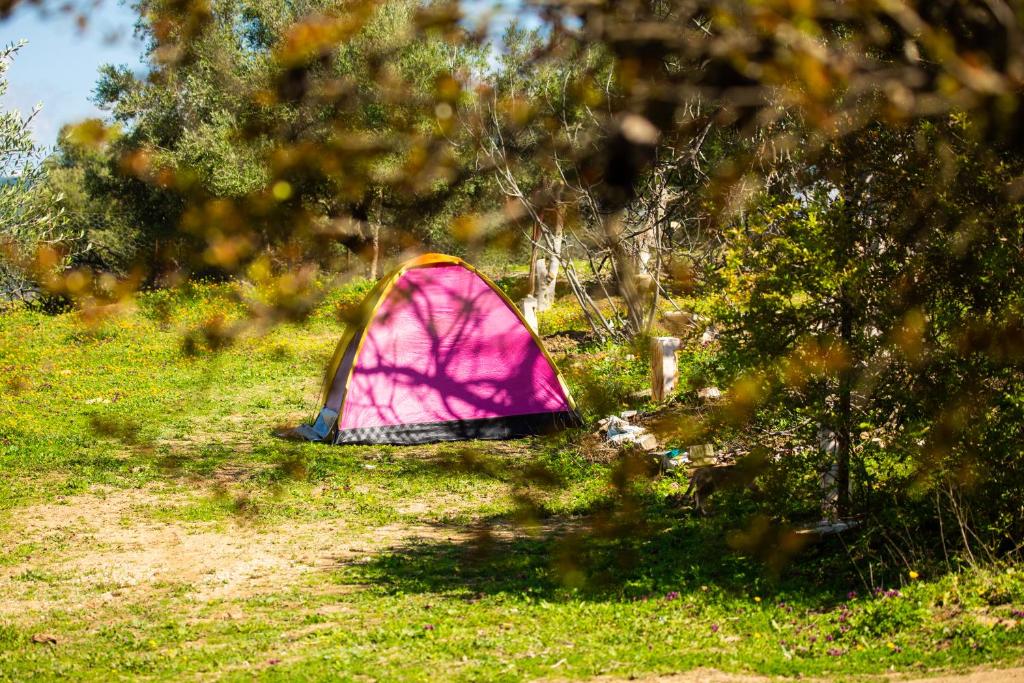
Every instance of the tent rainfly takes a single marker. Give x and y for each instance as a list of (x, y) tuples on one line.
[(440, 354)]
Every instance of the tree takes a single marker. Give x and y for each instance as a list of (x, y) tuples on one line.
[(34, 242), (79, 177), (541, 118), (299, 146), (864, 311)]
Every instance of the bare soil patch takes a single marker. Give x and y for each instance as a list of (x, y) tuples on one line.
[(715, 676), (94, 549)]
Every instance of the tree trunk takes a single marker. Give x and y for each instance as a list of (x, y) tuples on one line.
[(546, 290), (828, 444), (531, 279), (540, 270), (844, 415), (625, 272), (375, 242), (375, 236), (637, 265)]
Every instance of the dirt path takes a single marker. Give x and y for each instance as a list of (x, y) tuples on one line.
[(981, 676), (1011, 675), (97, 548)]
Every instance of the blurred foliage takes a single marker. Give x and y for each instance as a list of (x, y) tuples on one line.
[(836, 188)]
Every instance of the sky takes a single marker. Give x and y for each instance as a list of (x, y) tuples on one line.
[(59, 66)]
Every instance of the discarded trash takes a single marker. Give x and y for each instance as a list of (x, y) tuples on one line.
[(648, 442), (827, 528), (701, 452), (623, 437), (710, 394), (616, 426), (709, 336), (619, 432), (673, 459)]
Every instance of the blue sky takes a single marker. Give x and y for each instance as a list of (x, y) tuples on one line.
[(58, 67)]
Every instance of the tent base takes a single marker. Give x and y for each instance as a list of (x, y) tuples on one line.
[(512, 427)]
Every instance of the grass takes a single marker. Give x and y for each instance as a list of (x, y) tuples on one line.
[(152, 525)]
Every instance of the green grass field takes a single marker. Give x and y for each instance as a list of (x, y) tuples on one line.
[(151, 524)]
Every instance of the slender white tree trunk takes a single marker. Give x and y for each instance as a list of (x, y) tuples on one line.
[(375, 218), (546, 290), (375, 241)]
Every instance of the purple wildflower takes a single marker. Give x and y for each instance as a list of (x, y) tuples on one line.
[(1017, 614), (829, 637), (672, 595), (852, 595), (714, 628), (835, 652), (812, 639), (428, 627)]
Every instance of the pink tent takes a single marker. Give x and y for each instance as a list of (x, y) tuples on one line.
[(443, 355)]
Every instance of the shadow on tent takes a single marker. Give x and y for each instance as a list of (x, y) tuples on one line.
[(440, 355)]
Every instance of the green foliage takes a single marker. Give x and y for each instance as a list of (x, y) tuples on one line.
[(242, 135), (607, 378), (30, 216), (77, 176), (839, 287), (886, 616), (200, 461)]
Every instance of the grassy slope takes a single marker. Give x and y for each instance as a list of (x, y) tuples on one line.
[(112, 442)]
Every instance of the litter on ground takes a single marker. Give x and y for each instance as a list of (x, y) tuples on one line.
[(618, 431), (673, 459)]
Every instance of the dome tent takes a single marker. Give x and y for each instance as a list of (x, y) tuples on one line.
[(441, 354)]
